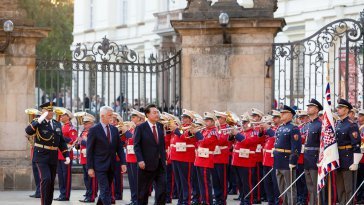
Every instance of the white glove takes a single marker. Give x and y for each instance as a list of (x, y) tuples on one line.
[(67, 160), (291, 166), (356, 160), (42, 117)]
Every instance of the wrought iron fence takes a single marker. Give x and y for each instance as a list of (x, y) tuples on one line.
[(106, 73), (333, 54)]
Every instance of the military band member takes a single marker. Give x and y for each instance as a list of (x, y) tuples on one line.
[(183, 157), (65, 171), (90, 183), (270, 183), (221, 161), (256, 116), (137, 118), (360, 194), (312, 148), (48, 140), (348, 139), (117, 185), (286, 151), (244, 160), (207, 141), (302, 122)]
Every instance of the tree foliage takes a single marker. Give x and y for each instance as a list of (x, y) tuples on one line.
[(58, 16)]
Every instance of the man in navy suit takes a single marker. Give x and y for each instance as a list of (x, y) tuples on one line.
[(150, 151), (103, 142)]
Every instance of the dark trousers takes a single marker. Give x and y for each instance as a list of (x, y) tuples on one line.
[(118, 182), (64, 179), (231, 177), (195, 186), (36, 179), (178, 182), (104, 179), (301, 185), (132, 177), (271, 186), (246, 176), (90, 184), (219, 183), (360, 178), (345, 185), (145, 179), (47, 175), (259, 192), (205, 185), (183, 171), (170, 189)]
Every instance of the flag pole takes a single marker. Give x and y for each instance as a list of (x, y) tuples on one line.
[(329, 177)]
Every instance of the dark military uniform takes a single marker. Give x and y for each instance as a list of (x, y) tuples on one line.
[(47, 141), (311, 155), (348, 139), (286, 151)]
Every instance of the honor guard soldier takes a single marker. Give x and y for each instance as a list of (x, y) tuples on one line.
[(256, 116), (312, 148), (90, 183), (244, 160), (302, 122), (360, 194), (131, 162), (48, 140), (33, 113), (348, 140), (183, 156), (286, 151), (117, 185), (207, 141), (172, 124), (64, 171), (270, 183), (221, 160)]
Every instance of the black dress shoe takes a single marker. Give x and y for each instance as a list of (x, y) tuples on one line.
[(231, 192), (61, 199), (87, 201), (237, 199), (168, 201), (34, 196)]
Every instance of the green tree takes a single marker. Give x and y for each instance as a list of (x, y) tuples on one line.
[(58, 16)]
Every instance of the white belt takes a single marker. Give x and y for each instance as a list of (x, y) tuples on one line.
[(268, 150), (218, 149), (237, 151), (187, 145)]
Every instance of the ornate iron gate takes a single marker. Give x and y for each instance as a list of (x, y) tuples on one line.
[(106, 73), (334, 54)]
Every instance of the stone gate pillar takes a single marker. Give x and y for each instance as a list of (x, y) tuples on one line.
[(227, 76), (17, 92)]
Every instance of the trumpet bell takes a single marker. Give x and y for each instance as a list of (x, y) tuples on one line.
[(32, 113), (232, 119), (79, 117)]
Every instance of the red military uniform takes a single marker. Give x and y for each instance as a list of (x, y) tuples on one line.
[(69, 135), (183, 147), (206, 148), (244, 151), (83, 146), (130, 155), (268, 159), (303, 130), (221, 153)]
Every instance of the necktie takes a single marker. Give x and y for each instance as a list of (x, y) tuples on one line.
[(155, 134), (108, 133)]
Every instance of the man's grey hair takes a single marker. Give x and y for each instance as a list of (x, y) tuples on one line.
[(105, 109)]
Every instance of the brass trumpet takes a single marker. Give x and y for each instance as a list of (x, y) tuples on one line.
[(128, 124), (79, 117), (32, 113)]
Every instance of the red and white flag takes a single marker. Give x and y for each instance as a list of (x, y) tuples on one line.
[(329, 155)]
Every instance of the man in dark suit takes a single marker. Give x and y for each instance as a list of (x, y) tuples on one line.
[(149, 148), (48, 139), (103, 142)]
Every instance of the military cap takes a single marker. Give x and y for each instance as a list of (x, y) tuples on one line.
[(344, 103), (220, 114), (48, 106), (314, 102), (301, 113), (286, 109), (255, 111)]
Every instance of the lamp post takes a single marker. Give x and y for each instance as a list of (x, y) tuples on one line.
[(224, 21), (8, 28)]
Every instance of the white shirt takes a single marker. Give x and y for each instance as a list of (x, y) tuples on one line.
[(151, 127)]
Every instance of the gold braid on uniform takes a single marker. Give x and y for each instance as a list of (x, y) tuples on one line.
[(45, 139)]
